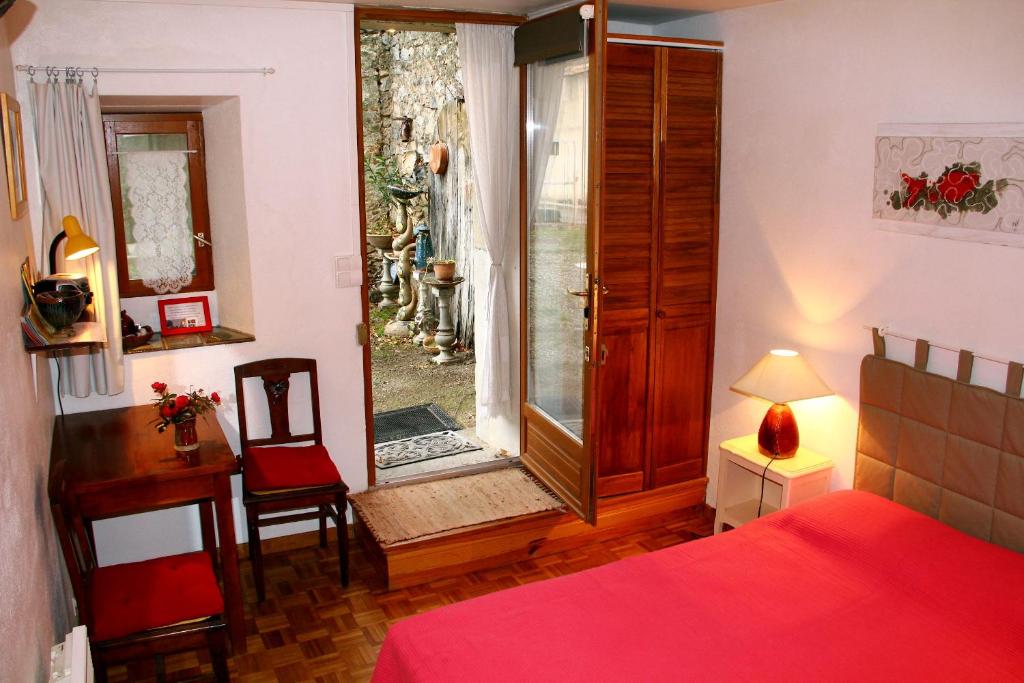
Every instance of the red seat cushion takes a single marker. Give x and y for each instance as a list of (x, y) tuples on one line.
[(137, 596), (288, 467)]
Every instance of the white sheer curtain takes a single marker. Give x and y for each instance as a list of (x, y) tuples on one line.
[(492, 105), (158, 194), (545, 82), (73, 168)]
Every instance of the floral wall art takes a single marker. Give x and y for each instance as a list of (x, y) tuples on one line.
[(956, 181)]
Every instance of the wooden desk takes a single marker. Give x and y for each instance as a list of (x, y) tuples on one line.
[(116, 463)]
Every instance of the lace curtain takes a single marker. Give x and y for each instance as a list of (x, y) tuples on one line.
[(157, 190)]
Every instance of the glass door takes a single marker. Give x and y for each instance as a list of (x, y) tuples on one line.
[(558, 313)]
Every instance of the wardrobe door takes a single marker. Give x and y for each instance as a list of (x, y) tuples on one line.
[(685, 265), (627, 238)]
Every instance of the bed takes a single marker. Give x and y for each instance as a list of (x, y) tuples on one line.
[(848, 586)]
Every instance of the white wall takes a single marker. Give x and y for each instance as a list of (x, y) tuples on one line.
[(800, 264), (629, 27), (35, 605), (300, 200)]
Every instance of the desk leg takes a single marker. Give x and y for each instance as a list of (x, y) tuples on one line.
[(229, 563), (209, 536)]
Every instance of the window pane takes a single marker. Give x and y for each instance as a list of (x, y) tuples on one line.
[(157, 209), (557, 108)]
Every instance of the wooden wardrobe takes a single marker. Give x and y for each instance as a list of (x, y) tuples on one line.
[(658, 258)]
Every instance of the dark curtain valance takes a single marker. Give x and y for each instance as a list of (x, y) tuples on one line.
[(556, 36)]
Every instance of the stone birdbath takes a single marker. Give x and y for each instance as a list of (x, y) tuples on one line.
[(401, 196), (445, 335)]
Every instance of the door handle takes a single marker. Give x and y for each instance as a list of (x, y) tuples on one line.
[(580, 293)]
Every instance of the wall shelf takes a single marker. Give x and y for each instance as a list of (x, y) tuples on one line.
[(215, 337), (84, 334)]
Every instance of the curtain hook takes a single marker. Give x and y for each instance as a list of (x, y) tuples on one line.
[(31, 74)]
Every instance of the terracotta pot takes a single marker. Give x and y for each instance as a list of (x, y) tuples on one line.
[(186, 438), (439, 158), (444, 272)]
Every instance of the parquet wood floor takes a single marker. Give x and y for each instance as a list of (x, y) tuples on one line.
[(310, 630)]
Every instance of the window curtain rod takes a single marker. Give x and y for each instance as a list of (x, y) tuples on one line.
[(96, 70)]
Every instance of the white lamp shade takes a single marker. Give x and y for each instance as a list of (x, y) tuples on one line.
[(782, 376)]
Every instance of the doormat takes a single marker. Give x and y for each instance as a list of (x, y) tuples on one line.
[(402, 513), (420, 448), (405, 423)]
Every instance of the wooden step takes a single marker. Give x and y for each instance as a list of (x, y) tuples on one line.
[(504, 542)]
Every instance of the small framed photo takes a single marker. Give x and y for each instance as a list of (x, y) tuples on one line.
[(188, 315), (14, 155)]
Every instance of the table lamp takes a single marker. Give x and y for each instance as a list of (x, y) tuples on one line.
[(782, 376), (79, 244)]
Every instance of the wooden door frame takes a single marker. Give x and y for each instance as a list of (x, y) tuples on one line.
[(399, 15)]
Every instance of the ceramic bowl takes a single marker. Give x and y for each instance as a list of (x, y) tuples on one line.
[(61, 307)]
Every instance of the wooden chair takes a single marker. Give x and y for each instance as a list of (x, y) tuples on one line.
[(141, 610), (277, 477)]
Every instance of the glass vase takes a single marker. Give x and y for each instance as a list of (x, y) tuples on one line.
[(185, 437)]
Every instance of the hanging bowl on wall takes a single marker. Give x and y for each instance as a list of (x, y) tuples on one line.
[(439, 158)]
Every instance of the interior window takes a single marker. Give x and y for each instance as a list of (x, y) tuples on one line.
[(158, 189)]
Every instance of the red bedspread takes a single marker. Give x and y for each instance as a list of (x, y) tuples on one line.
[(844, 587)]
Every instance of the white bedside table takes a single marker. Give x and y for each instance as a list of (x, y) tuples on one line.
[(787, 482)]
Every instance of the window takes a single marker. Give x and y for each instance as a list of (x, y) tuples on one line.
[(157, 170)]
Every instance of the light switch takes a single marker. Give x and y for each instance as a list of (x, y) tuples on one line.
[(348, 272)]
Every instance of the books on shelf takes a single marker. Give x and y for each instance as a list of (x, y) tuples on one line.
[(37, 331)]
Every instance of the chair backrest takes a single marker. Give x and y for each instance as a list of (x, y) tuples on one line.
[(276, 375), (75, 543)]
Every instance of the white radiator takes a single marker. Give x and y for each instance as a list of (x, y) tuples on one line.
[(71, 661)]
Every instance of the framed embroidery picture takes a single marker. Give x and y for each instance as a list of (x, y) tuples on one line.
[(14, 155), (187, 315), (955, 181)]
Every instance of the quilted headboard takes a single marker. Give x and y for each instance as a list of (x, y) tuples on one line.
[(943, 447)]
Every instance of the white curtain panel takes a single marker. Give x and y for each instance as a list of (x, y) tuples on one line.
[(491, 85), (545, 83), (73, 169)]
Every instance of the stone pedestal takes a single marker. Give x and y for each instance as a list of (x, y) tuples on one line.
[(387, 286), (445, 335)]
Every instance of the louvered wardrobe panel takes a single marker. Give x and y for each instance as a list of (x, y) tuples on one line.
[(627, 239), (658, 251), (686, 269)]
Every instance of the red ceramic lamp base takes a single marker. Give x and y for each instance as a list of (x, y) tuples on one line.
[(778, 435)]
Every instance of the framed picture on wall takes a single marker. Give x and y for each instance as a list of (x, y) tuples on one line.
[(14, 155), (187, 315)]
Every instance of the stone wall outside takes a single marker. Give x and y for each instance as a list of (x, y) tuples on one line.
[(405, 74)]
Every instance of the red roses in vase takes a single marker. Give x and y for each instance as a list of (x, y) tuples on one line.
[(176, 408), (181, 410)]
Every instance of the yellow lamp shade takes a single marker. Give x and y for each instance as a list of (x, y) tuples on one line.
[(79, 245), (782, 376)]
